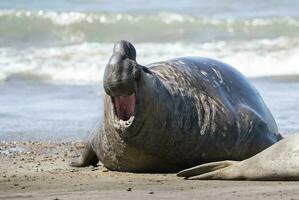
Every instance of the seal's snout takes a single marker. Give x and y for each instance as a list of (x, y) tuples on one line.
[(122, 71), (120, 79)]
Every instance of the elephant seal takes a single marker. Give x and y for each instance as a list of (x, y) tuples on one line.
[(278, 162), (171, 115)]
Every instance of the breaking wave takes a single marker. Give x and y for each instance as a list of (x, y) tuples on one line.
[(56, 28), (84, 63)]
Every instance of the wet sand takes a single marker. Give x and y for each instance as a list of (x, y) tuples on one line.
[(39, 170)]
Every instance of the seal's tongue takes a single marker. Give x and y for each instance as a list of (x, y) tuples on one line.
[(125, 106)]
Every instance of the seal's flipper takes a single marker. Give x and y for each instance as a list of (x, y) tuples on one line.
[(220, 174), (205, 168), (88, 157)]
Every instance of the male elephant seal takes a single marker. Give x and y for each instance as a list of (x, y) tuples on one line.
[(176, 114), (278, 162)]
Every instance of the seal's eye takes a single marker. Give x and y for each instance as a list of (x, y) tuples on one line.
[(125, 106)]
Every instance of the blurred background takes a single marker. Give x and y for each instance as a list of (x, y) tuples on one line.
[(53, 53)]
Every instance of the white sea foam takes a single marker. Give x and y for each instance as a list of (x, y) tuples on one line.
[(72, 17), (85, 63), (64, 18), (38, 27)]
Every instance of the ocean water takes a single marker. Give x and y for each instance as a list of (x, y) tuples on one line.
[(53, 54)]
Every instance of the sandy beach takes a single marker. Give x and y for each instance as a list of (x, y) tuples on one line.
[(39, 170)]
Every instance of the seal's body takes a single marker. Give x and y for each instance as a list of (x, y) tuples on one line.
[(176, 114)]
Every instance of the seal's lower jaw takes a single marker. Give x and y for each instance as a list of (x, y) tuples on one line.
[(123, 108)]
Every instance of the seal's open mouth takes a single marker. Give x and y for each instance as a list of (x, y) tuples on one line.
[(125, 106), (123, 111)]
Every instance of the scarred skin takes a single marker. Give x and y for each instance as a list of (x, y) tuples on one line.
[(188, 111)]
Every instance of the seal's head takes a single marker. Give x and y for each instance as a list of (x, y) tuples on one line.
[(121, 84)]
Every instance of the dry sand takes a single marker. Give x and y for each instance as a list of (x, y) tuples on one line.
[(39, 170)]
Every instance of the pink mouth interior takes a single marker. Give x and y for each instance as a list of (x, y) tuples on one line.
[(125, 106)]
